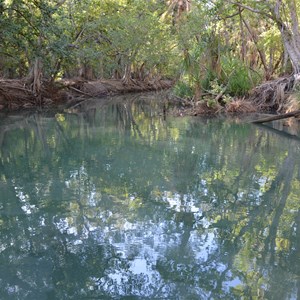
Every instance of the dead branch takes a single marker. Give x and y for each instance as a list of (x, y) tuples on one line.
[(295, 113)]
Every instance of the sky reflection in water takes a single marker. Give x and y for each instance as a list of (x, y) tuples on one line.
[(115, 200)]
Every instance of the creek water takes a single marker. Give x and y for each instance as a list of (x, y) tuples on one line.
[(116, 200)]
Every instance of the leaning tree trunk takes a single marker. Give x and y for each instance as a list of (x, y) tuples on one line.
[(290, 43), (289, 32), (288, 27), (261, 53)]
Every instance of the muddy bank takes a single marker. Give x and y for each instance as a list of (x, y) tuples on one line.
[(16, 94)]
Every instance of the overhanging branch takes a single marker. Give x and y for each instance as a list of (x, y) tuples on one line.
[(249, 8)]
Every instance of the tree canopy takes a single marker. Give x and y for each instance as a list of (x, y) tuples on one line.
[(210, 45)]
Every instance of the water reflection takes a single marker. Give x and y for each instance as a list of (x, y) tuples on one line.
[(114, 200)]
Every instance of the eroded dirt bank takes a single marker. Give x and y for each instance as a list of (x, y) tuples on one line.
[(16, 94), (279, 95)]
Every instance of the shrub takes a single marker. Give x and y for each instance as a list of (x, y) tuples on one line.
[(183, 90), (238, 78)]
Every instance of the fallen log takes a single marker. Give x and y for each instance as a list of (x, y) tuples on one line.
[(295, 113)]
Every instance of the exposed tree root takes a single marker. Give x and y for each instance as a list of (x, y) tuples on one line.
[(14, 94), (112, 86), (292, 103), (240, 106), (273, 95)]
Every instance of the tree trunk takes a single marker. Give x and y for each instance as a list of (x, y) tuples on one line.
[(35, 79), (292, 50), (127, 79), (290, 37), (86, 71), (290, 33), (177, 8), (295, 21), (243, 39)]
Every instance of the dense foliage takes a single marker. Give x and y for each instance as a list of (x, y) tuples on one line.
[(215, 46)]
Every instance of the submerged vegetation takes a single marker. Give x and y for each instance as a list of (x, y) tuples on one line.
[(215, 52)]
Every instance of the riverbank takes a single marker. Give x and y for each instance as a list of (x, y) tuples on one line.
[(15, 94), (280, 95)]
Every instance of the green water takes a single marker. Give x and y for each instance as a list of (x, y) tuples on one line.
[(118, 201)]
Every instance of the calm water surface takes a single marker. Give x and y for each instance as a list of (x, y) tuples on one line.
[(116, 201)]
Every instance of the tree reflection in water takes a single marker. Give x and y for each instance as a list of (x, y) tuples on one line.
[(114, 200)]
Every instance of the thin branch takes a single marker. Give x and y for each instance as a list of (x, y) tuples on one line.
[(28, 21), (230, 16), (257, 11), (255, 41)]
